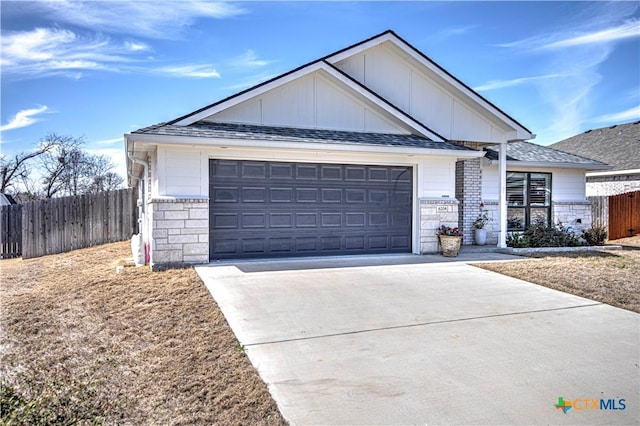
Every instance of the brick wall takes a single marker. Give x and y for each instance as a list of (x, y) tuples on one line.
[(468, 193), (180, 231)]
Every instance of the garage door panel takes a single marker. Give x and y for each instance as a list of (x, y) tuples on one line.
[(333, 220), (280, 170), (281, 220), (399, 241), (225, 195), (254, 170), (254, 220), (306, 171), (332, 195), (331, 172), (355, 173), (307, 220), (307, 195), (227, 169), (355, 219), (225, 221), (254, 195), (262, 209), (281, 195)]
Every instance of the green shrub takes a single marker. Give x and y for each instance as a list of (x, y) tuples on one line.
[(517, 240), (595, 236), (540, 235)]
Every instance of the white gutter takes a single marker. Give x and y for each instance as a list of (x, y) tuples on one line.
[(614, 173), (552, 165)]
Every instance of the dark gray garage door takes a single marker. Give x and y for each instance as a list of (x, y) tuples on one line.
[(275, 209)]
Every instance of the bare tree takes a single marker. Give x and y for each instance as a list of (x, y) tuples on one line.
[(69, 170), (14, 169), (59, 166)]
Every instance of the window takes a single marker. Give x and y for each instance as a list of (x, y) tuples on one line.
[(528, 200)]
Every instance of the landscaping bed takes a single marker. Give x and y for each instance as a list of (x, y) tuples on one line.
[(607, 276), (82, 343)]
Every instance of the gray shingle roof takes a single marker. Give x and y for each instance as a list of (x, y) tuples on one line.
[(203, 129), (530, 152), (617, 145)]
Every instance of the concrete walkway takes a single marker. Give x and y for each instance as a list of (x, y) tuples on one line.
[(426, 340)]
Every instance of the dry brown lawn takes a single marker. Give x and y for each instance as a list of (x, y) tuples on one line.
[(611, 277), (86, 344)]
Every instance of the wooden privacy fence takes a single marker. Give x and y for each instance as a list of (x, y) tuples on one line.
[(10, 231), (58, 225), (624, 215)]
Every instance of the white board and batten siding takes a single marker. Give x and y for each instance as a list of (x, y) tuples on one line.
[(181, 172), (184, 172), (423, 95), (311, 101), (567, 185)]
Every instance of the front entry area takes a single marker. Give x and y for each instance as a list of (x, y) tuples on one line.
[(283, 209)]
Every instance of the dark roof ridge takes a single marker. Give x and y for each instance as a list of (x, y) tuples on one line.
[(611, 126)]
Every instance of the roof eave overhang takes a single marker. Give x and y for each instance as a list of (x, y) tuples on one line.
[(554, 165), (221, 143)]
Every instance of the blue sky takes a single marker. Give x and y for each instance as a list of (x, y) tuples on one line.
[(100, 69)]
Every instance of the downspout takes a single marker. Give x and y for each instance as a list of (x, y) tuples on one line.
[(142, 181)]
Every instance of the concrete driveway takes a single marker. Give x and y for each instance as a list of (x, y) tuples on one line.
[(414, 340)]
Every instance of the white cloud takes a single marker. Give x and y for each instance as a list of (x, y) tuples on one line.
[(160, 20), (629, 29), (39, 52), (136, 46), (53, 51), (249, 59), (112, 141), (190, 71), (253, 81), (24, 118), (500, 84), (575, 54), (619, 117)]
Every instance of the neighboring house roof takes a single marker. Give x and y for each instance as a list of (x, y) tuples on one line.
[(532, 154), (617, 145), (6, 199), (288, 134)]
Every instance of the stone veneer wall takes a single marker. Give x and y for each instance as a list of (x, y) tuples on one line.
[(493, 226), (568, 213), (433, 214), (180, 231), (468, 193)]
